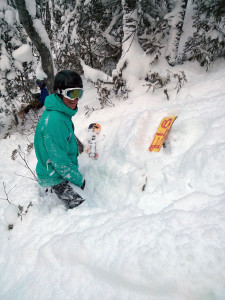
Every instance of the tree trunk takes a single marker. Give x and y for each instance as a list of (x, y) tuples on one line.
[(130, 22), (44, 51), (176, 21), (127, 67), (48, 21)]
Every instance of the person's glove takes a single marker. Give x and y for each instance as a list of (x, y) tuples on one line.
[(83, 185)]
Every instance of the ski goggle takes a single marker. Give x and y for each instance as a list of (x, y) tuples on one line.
[(73, 93)]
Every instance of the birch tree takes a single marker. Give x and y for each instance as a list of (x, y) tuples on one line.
[(130, 42), (175, 20), (130, 24)]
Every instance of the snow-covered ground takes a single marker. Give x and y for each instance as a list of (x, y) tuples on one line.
[(166, 242)]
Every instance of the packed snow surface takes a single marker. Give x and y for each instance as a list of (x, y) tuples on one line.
[(166, 242)]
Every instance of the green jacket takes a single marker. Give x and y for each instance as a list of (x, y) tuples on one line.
[(56, 145)]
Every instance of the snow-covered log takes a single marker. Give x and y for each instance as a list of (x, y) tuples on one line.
[(94, 75)]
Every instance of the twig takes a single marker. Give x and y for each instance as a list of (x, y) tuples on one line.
[(7, 193), (26, 176), (21, 212), (12, 188), (26, 164), (144, 186)]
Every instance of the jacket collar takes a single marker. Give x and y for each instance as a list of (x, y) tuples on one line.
[(54, 102)]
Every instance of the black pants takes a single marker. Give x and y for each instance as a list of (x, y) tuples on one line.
[(66, 193)]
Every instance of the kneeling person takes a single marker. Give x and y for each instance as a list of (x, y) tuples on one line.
[(55, 143)]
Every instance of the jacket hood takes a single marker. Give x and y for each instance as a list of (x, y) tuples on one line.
[(54, 102)]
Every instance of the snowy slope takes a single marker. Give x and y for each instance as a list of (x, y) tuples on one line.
[(167, 242)]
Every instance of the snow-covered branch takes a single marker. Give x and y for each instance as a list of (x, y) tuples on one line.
[(110, 39), (37, 33)]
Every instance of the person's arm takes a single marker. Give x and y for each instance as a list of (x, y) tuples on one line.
[(55, 139), (80, 145), (43, 95)]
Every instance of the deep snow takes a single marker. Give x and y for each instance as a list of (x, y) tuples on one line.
[(167, 242)]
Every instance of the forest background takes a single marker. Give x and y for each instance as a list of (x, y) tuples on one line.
[(125, 39)]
